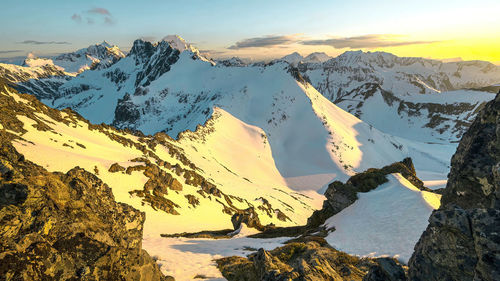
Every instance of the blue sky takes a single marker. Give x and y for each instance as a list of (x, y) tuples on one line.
[(61, 26)]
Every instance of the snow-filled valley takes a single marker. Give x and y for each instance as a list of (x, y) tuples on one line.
[(224, 138)]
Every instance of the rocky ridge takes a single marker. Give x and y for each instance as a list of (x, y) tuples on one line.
[(462, 241)]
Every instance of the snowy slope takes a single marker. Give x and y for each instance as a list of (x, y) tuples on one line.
[(387, 221), (198, 255), (209, 191), (427, 94)]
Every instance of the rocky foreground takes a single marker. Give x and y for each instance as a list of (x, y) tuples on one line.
[(462, 241), (56, 226)]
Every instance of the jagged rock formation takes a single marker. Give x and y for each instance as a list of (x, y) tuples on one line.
[(462, 241), (311, 259), (57, 226)]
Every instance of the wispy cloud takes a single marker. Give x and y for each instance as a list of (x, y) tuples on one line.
[(34, 42), (99, 11), (265, 41), (93, 15), (77, 18), (10, 51), (369, 41)]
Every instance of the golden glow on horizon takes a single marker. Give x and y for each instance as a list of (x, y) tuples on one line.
[(485, 48)]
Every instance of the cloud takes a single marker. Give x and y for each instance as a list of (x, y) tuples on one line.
[(99, 11), (10, 51), (77, 18), (265, 41), (93, 15), (369, 41), (34, 42)]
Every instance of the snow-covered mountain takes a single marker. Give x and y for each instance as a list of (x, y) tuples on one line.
[(296, 58), (42, 80), (424, 99), (96, 56), (159, 88), (316, 57), (293, 58)]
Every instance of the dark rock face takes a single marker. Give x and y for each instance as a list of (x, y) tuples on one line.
[(462, 241), (56, 226), (159, 63), (126, 111)]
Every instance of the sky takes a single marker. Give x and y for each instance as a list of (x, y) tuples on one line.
[(258, 29)]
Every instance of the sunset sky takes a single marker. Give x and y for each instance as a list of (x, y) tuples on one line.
[(259, 29)]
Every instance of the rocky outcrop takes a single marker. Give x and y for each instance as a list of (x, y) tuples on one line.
[(306, 260), (248, 217), (126, 110), (56, 226), (385, 269), (462, 241), (339, 195)]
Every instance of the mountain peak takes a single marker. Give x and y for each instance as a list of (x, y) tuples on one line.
[(177, 42), (105, 44), (317, 57), (292, 58)]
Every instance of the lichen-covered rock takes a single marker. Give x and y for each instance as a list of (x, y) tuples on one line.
[(308, 260), (462, 241), (56, 226)]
